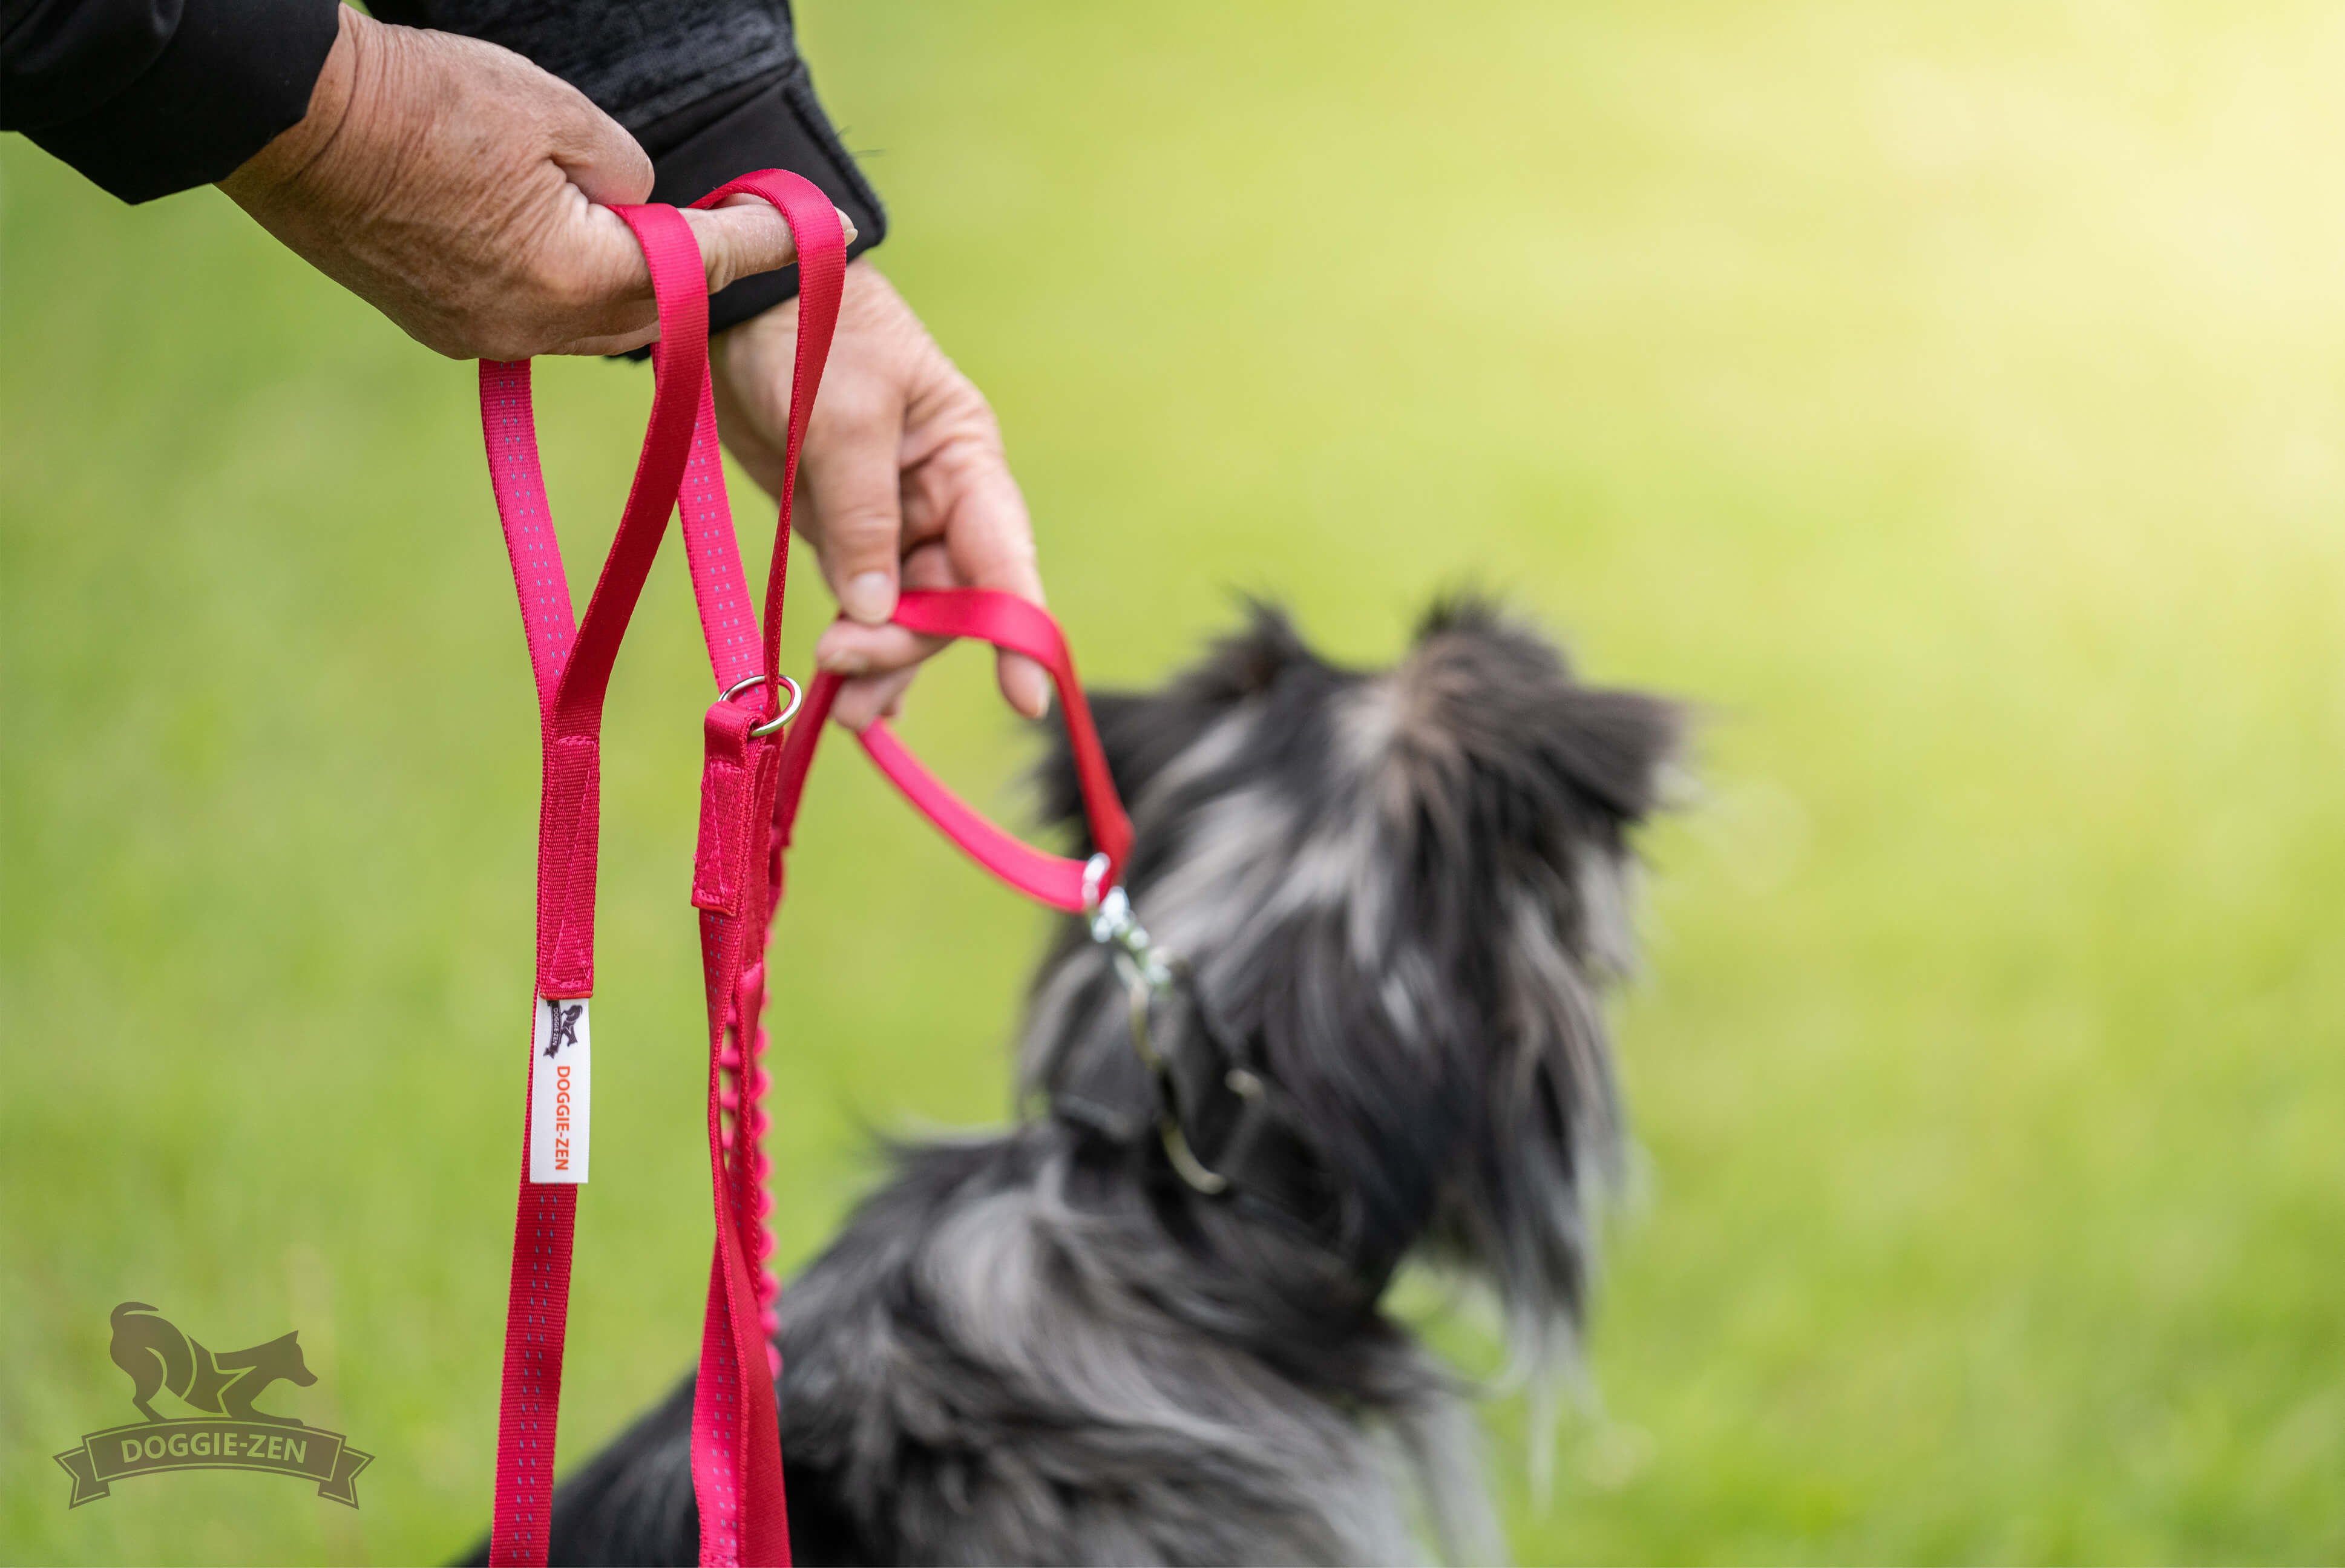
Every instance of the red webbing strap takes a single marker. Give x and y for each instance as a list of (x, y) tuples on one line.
[(727, 622), (736, 1461), (822, 276), (1008, 622), (571, 664)]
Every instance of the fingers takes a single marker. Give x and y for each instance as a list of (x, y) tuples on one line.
[(891, 655), (740, 238), (743, 236), (592, 150), (851, 648), (992, 545), (850, 464), (594, 287), (903, 482), (746, 236), (873, 697), (608, 344), (468, 194), (1025, 685)]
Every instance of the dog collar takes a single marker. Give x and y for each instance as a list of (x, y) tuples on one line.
[(1228, 1128)]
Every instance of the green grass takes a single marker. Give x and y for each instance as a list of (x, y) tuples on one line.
[(1946, 398)]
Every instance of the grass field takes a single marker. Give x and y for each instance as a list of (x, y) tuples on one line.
[(1947, 399)]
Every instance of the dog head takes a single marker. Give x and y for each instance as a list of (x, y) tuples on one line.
[(1403, 891)]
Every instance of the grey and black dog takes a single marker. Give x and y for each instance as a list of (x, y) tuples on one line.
[(1142, 1325)]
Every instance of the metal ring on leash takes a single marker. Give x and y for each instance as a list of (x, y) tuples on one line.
[(796, 697), (753, 682)]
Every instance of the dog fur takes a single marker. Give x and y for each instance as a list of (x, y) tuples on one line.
[(1404, 892)]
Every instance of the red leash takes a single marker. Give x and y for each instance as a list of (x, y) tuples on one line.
[(736, 1452), (573, 666), (737, 1448), (753, 778), (1007, 622)]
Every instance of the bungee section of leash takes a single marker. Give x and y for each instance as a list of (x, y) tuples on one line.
[(737, 1459), (758, 755)]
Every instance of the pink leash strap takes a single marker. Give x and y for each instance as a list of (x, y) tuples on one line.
[(572, 663), (737, 1459), (752, 781), (1008, 622)]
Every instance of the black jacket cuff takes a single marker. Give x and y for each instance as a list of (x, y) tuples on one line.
[(232, 74), (772, 122)]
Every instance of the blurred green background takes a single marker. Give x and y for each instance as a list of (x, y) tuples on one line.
[(1947, 398)]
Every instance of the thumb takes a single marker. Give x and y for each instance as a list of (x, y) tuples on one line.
[(593, 151), (744, 236)]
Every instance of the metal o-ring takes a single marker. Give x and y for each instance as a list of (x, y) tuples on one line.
[(738, 687), (796, 697)]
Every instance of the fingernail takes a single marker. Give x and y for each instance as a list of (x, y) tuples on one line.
[(847, 661), (868, 597), (846, 223)]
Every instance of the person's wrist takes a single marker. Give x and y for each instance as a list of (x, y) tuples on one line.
[(293, 151)]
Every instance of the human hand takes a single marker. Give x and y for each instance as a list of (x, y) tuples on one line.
[(466, 194), (903, 484)]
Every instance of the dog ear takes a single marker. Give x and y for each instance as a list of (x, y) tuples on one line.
[(1491, 720), (1517, 788), (1143, 732)]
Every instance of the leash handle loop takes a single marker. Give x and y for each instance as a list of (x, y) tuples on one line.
[(822, 278), (1007, 622), (736, 1461), (571, 662)]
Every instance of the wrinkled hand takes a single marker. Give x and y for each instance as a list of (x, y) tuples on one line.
[(466, 194), (903, 484)]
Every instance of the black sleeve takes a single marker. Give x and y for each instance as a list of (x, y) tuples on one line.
[(149, 97), (712, 88)]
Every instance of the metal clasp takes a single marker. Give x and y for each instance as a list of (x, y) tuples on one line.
[(1115, 927), (1148, 974)]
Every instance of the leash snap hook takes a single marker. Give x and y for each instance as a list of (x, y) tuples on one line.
[(1148, 974), (1115, 927)]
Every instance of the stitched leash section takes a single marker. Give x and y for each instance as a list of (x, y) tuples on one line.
[(752, 780), (737, 1435), (570, 661), (736, 1449)]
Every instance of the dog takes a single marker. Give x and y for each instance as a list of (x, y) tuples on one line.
[(158, 1357), (1142, 1325)]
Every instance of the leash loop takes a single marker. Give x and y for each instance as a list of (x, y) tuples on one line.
[(736, 1462), (736, 1453), (571, 662), (1090, 888), (1007, 622)]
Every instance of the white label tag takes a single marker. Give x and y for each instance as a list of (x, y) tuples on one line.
[(560, 1092)]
